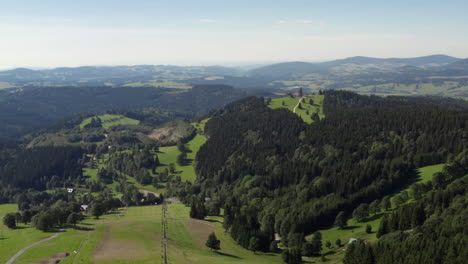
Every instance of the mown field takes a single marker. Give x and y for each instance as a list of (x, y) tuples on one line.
[(109, 120), (133, 235), (306, 109)]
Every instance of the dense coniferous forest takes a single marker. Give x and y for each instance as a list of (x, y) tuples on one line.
[(274, 174), (432, 229), (40, 168), (25, 110)]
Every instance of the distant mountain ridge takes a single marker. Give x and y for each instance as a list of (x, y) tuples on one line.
[(440, 75), (290, 68)]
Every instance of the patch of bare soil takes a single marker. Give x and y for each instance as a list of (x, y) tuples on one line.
[(111, 248), (199, 232), (165, 135), (55, 259)]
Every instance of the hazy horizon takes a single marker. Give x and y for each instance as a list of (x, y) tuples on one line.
[(51, 33), (253, 64)]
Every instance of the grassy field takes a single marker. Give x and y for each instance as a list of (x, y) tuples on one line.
[(306, 110), (166, 84), (11, 241), (168, 155), (109, 120), (447, 88), (5, 85), (135, 237), (425, 173), (357, 229), (187, 245)]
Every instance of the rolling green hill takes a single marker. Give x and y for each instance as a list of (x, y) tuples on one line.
[(109, 120), (309, 105)]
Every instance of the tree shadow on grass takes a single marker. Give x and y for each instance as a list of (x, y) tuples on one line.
[(349, 227), (212, 221), (226, 255), (83, 228), (372, 218), (21, 227)]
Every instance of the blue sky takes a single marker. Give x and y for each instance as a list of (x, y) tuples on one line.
[(109, 32)]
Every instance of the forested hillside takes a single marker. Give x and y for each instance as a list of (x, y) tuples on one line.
[(273, 174), (432, 229), (25, 109)]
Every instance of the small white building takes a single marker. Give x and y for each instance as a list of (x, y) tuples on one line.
[(70, 190), (84, 207)]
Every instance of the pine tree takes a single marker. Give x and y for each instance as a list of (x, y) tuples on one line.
[(213, 243), (340, 222), (384, 227), (9, 221), (338, 242), (254, 244)]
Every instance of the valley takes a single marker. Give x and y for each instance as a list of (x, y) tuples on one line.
[(133, 233)]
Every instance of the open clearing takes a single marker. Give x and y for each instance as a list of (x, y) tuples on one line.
[(306, 109), (187, 245), (168, 155), (109, 120), (123, 241)]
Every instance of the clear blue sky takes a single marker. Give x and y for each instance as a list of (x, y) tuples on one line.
[(70, 33)]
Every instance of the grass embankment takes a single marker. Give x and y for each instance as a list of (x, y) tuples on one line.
[(109, 120), (357, 229), (306, 110)]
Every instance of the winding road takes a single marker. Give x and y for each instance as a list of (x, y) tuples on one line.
[(12, 259)]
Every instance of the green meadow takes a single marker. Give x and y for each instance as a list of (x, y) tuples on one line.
[(5, 85), (306, 109), (168, 155), (109, 120), (135, 237)]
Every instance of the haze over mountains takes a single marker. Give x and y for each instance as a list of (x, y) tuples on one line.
[(429, 75), (22, 76)]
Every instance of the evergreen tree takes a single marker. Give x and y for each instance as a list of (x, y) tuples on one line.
[(291, 256), (9, 220), (73, 218), (340, 221), (338, 242), (97, 209), (361, 212), (254, 244), (386, 203), (418, 216), (384, 227), (213, 243)]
